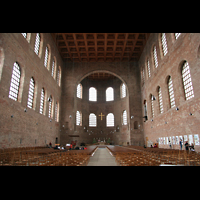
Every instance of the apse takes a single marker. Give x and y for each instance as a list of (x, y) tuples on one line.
[(102, 104)]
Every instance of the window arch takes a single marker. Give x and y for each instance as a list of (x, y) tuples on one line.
[(110, 94), (50, 115), (47, 56), (164, 44), (160, 99), (1, 61), (110, 120), (124, 117), (57, 111), (123, 90), (79, 91), (148, 68), (24, 35), (59, 76), (143, 76), (42, 101), (37, 43), (31, 93), (155, 56), (53, 69), (177, 35), (92, 120), (92, 94), (187, 81), (78, 118), (152, 107), (171, 92), (15, 82)]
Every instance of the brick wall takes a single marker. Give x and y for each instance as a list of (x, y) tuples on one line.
[(27, 128), (171, 122), (126, 72)]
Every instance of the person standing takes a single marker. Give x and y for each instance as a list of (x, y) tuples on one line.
[(180, 143), (186, 146)]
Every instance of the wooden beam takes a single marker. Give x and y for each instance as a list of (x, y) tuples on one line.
[(76, 46), (114, 48), (132, 48), (105, 46), (67, 46), (95, 42), (126, 36), (86, 47)]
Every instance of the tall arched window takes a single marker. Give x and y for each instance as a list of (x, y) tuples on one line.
[(15, 82), (92, 120), (57, 112), (155, 56), (53, 69), (46, 57), (42, 101), (187, 81), (92, 94), (31, 93), (164, 44), (152, 107), (109, 94), (78, 118), (160, 100), (124, 117), (59, 76), (37, 43), (177, 35), (50, 107), (79, 91), (123, 90), (24, 34), (110, 120), (171, 92), (148, 67)]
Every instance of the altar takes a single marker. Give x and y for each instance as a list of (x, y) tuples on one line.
[(101, 143)]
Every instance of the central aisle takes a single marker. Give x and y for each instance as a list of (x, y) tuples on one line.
[(102, 157)]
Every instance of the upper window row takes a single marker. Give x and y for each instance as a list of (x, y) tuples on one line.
[(164, 47), (55, 73), (14, 91), (93, 92)]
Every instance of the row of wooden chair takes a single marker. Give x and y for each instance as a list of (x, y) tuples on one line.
[(56, 158), (139, 156)]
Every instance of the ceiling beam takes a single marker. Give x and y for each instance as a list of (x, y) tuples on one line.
[(134, 43), (79, 57), (105, 46), (86, 47), (63, 35), (126, 37)]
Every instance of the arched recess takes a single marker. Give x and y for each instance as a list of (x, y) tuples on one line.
[(103, 71)]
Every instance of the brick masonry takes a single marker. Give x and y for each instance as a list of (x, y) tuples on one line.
[(27, 128), (172, 122), (34, 129)]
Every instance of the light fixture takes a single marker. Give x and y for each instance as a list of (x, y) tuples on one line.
[(132, 117), (177, 108), (12, 116), (190, 114), (70, 116), (25, 110)]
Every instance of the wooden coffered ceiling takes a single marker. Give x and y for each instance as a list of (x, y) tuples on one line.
[(100, 47)]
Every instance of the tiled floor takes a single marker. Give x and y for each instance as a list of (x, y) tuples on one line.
[(102, 157)]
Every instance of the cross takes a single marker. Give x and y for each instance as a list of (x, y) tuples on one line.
[(101, 116)]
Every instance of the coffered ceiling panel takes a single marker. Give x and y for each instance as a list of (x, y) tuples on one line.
[(100, 47)]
